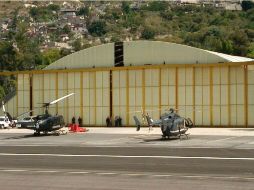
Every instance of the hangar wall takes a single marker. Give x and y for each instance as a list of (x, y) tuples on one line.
[(211, 95)]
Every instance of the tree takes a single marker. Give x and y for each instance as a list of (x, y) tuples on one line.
[(77, 45), (66, 29), (158, 6), (7, 56), (97, 28), (250, 52), (54, 7), (64, 52), (84, 11), (147, 34), (126, 7), (246, 5), (51, 55), (2, 92), (227, 47)]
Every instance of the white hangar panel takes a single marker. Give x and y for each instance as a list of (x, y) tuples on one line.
[(26, 82), (98, 56), (62, 81), (189, 76), (141, 53), (155, 52), (38, 81), (10, 107), (181, 76)]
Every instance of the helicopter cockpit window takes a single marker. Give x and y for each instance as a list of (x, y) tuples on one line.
[(27, 118)]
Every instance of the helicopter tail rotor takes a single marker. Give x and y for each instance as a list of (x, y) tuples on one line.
[(188, 122), (137, 122)]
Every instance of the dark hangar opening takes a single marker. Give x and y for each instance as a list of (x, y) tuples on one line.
[(119, 54)]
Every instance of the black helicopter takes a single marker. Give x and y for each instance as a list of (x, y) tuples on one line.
[(43, 123), (171, 124)]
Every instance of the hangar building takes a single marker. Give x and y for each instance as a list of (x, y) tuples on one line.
[(212, 89)]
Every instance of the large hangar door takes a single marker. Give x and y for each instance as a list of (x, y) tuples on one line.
[(23, 93), (250, 95), (74, 101), (152, 103), (202, 96), (119, 95), (185, 92), (50, 90), (62, 91), (38, 93), (168, 88), (237, 113), (135, 93), (102, 97), (89, 98), (96, 97)]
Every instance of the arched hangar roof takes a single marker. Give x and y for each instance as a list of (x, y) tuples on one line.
[(137, 53)]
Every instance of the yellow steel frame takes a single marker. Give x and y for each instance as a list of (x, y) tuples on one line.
[(193, 93), (67, 101), (202, 102), (176, 88), (127, 98), (95, 97), (56, 90), (17, 89), (211, 96), (31, 98), (246, 95), (81, 94), (160, 91), (220, 95), (160, 67), (43, 90), (143, 90), (229, 98)]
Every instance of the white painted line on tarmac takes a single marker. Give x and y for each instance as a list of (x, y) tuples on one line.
[(136, 174), (78, 172), (45, 171), (224, 139), (215, 177), (133, 174), (162, 175), (106, 173), (124, 156), (14, 170)]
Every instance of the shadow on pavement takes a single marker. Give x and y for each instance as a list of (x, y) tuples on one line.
[(27, 136)]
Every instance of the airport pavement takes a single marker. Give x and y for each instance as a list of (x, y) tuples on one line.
[(130, 130), (193, 131)]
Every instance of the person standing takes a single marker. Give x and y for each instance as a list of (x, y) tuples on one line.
[(73, 120), (120, 121), (80, 121), (116, 121), (108, 121)]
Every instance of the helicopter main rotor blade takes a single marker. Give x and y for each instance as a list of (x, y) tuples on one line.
[(27, 112), (3, 106), (59, 99)]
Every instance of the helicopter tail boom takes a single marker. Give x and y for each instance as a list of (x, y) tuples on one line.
[(137, 122)]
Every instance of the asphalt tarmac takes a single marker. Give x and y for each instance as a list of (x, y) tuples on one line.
[(125, 161)]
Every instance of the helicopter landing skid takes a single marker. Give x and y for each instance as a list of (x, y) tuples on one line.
[(60, 132), (185, 135)]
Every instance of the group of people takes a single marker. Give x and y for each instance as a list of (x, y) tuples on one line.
[(118, 121), (80, 121), (109, 121)]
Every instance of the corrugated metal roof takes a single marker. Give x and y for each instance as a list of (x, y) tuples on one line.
[(141, 53), (231, 58)]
